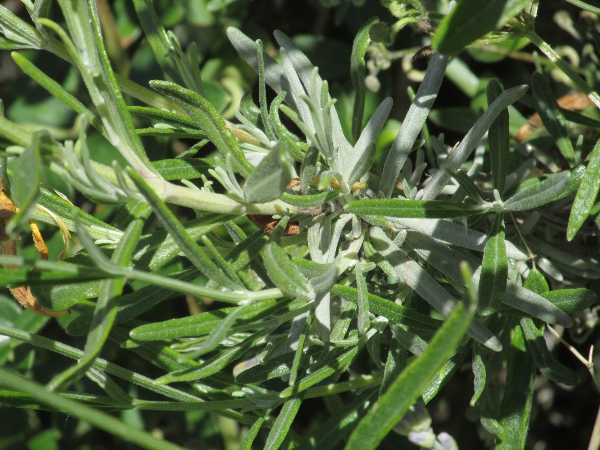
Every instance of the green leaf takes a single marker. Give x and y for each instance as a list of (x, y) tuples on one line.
[(407, 388), (395, 313), (363, 300), (417, 278), (270, 178), (63, 211), (420, 209), (18, 30), (553, 188), (219, 333), (586, 193), (528, 301), (213, 365), (86, 48), (99, 419), (334, 362), (338, 426), (536, 282), (56, 90), (52, 272), (253, 431), (311, 200), (25, 183), (206, 117), (274, 368), (498, 138), (413, 123), (203, 323), (459, 155), (518, 396), (357, 162), (157, 38), (162, 116), (285, 274), (467, 185), (471, 20), (177, 231), (101, 364), (494, 270), (283, 423), (552, 117), (106, 306), (571, 300), (479, 374), (132, 305), (548, 366), (357, 73)]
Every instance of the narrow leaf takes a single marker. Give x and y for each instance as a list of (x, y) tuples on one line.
[(178, 232), (395, 313), (283, 423), (417, 278), (553, 188), (494, 270), (99, 419), (338, 426), (413, 123), (357, 73), (106, 307), (479, 374), (586, 194), (407, 388), (552, 117), (420, 209), (518, 396), (471, 20), (459, 155), (56, 90), (285, 274), (360, 159), (25, 183), (208, 120), (270, 178), (363, 300), (548, 366), (498, 138), (311, 200)]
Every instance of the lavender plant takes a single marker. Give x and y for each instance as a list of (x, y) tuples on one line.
[(372, 278)]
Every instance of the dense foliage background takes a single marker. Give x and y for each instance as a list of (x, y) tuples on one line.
[(562, 417)]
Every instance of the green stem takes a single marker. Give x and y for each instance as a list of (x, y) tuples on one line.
[(217, 203), (100, 364), (363, 382), (564, 66), (83, 412), (583, 5)]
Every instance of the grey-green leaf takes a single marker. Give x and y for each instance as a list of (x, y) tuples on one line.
[(494, 270), (208, 119), (553, 188), (359, 160), (25, 183), (403, 392), (498, 138), (418, 209), (285, 274), (471, 20), (586, 194), (552, 118), (547, 365), (518, 397), (271, 177)]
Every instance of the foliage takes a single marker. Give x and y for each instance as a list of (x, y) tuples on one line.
[(377, 265)]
